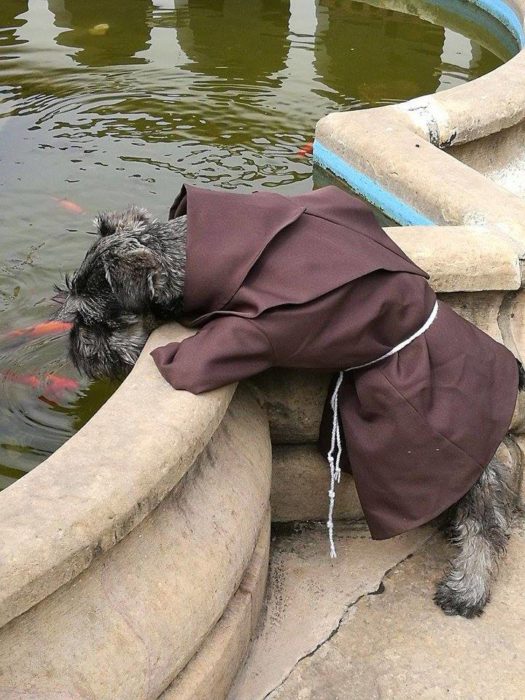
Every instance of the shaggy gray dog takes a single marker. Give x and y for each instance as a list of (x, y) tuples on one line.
[(131, 281)]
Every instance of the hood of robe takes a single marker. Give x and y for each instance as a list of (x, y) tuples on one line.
[(229, 232)]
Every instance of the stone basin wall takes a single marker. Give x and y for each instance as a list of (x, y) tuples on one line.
[(133, 561)]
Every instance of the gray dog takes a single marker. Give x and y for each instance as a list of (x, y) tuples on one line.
[(131, 281)]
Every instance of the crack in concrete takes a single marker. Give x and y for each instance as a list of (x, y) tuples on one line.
[(379, 590)]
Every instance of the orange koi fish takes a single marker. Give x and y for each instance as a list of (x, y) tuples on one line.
[(50, 384), (25, 379), (306, 150), (69, 205), (45, 328), (59, 385)]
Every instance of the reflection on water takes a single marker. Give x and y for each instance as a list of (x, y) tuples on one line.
[(221, 40), (124, 26), (373, 52), (107, 103), (10, 20)]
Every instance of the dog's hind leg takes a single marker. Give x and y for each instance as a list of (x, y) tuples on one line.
[(480, 530)]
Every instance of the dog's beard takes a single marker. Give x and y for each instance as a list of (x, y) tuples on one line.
[(101, 351)]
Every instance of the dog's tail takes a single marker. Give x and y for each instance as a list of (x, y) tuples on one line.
[(521, 376)]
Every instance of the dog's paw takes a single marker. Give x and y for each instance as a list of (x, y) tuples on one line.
[(458, 602)]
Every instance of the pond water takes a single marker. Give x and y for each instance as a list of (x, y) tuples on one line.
[(107, 103)]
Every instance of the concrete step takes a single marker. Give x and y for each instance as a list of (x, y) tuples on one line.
[(309, 594), (364, 627)]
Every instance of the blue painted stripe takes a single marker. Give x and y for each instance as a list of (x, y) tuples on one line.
[(394, 207), (504, 14), (494, 16)]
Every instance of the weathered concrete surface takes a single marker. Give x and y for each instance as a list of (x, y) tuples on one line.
[(385, 146), (516, 323), (102, 482), (127, 625), (400, 645), (518, 419), (301, 477), (300, 481), (519, 440), (309, 593), (461, 258), (480, 308), (212, 671), (293, 400), (500, 157), (474, 110), (215, 664), (255, 576)]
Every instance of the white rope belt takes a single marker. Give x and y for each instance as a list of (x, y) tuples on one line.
[(334, 456)]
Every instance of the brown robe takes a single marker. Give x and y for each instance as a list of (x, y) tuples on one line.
[(312, 281)]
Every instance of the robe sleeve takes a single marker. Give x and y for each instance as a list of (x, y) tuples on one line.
[(225, 350)]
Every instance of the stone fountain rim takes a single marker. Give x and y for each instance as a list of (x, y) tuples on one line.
[(80, 502)]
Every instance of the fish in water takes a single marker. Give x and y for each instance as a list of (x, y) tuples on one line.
[(69, 205), (306, 150), (51, 385), (44, 328), (99, 29)]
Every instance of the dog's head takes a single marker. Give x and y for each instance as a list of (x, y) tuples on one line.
[(127, 284)]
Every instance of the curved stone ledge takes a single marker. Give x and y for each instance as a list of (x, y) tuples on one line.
[(127, 625), (102, 482), (462, 258), (448, 116), (293, 400), (222, 652), (300, 481), (413, 181)]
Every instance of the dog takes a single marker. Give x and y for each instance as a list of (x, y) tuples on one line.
[(132, 280), (127, 285)]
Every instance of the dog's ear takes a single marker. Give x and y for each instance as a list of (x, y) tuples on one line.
[(133, 272), (133, 219), (105, 224)]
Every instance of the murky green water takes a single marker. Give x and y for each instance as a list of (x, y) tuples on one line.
[(105, 103)]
